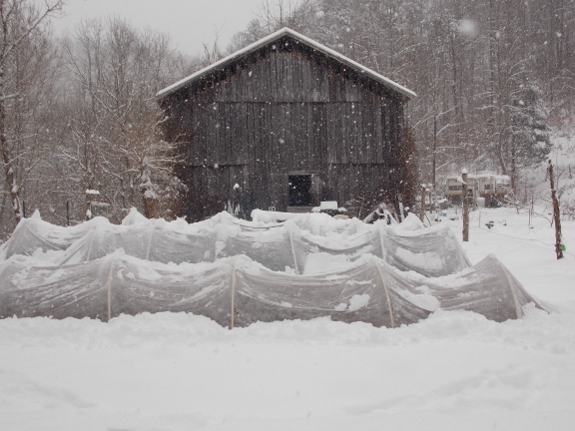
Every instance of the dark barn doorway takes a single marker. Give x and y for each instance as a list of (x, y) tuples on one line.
[(300, 190)]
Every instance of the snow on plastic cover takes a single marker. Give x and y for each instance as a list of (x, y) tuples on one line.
[(239, 273), (294, 244)]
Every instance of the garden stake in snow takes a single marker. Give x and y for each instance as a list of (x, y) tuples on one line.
[(233, 294), (293, 252), (150, 244), (387, 297), (110, 273)]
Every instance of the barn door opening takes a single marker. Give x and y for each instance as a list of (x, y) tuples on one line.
[(300, 190)]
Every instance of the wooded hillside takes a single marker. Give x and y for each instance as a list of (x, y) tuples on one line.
[(491, 76), (78, 113)]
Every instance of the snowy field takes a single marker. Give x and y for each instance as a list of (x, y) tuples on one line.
[(455, 370)]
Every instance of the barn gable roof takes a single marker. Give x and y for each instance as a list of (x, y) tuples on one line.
[(273, 37)]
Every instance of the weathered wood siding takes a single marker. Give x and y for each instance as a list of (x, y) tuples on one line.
[(281, 110)]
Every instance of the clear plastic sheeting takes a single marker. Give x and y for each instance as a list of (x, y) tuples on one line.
[(290, 245), (154, 243), (233, 292), (237, 273), (432, 252), (33, 234), (488, 289), (110, 286), (273, 247)]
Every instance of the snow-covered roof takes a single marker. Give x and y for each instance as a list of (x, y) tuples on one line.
[(272, 37), (482, 176)]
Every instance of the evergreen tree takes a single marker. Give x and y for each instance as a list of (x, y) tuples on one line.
[(529, 133)]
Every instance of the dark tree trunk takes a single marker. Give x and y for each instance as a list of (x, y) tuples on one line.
[(556, 213), (9, 171)]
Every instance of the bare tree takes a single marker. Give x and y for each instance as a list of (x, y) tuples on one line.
[(23, 31), (115, 71)]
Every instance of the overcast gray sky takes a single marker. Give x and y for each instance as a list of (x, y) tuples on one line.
[(190, 23)]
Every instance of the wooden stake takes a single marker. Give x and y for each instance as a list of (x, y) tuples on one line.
[(387, 297), (110, 291), (233, 294)]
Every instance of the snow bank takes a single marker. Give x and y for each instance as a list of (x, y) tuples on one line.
[(177, 371)]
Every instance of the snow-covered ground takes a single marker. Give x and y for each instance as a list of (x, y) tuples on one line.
[(452, 371)]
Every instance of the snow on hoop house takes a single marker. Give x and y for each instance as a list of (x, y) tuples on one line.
[(240, 273)]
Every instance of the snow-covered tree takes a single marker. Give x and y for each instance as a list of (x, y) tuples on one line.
[(25, 63), (114, 72), (529, 133)]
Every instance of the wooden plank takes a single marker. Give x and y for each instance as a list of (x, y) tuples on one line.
[(320, 135)]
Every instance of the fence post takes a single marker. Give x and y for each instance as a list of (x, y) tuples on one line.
[(422, 211), (464, 205)]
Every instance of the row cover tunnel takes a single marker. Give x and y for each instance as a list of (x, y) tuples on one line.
[(238, 272)]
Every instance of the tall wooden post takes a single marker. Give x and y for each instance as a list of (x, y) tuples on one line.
[(556, 213), (422, 211), (433, 166), (464, 205)]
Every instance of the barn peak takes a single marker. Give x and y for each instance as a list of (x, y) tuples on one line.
[(273, 38)]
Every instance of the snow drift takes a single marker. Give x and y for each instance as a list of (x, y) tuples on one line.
[(238, 273)]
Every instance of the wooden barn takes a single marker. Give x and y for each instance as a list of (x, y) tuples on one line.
[(286, 122)]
